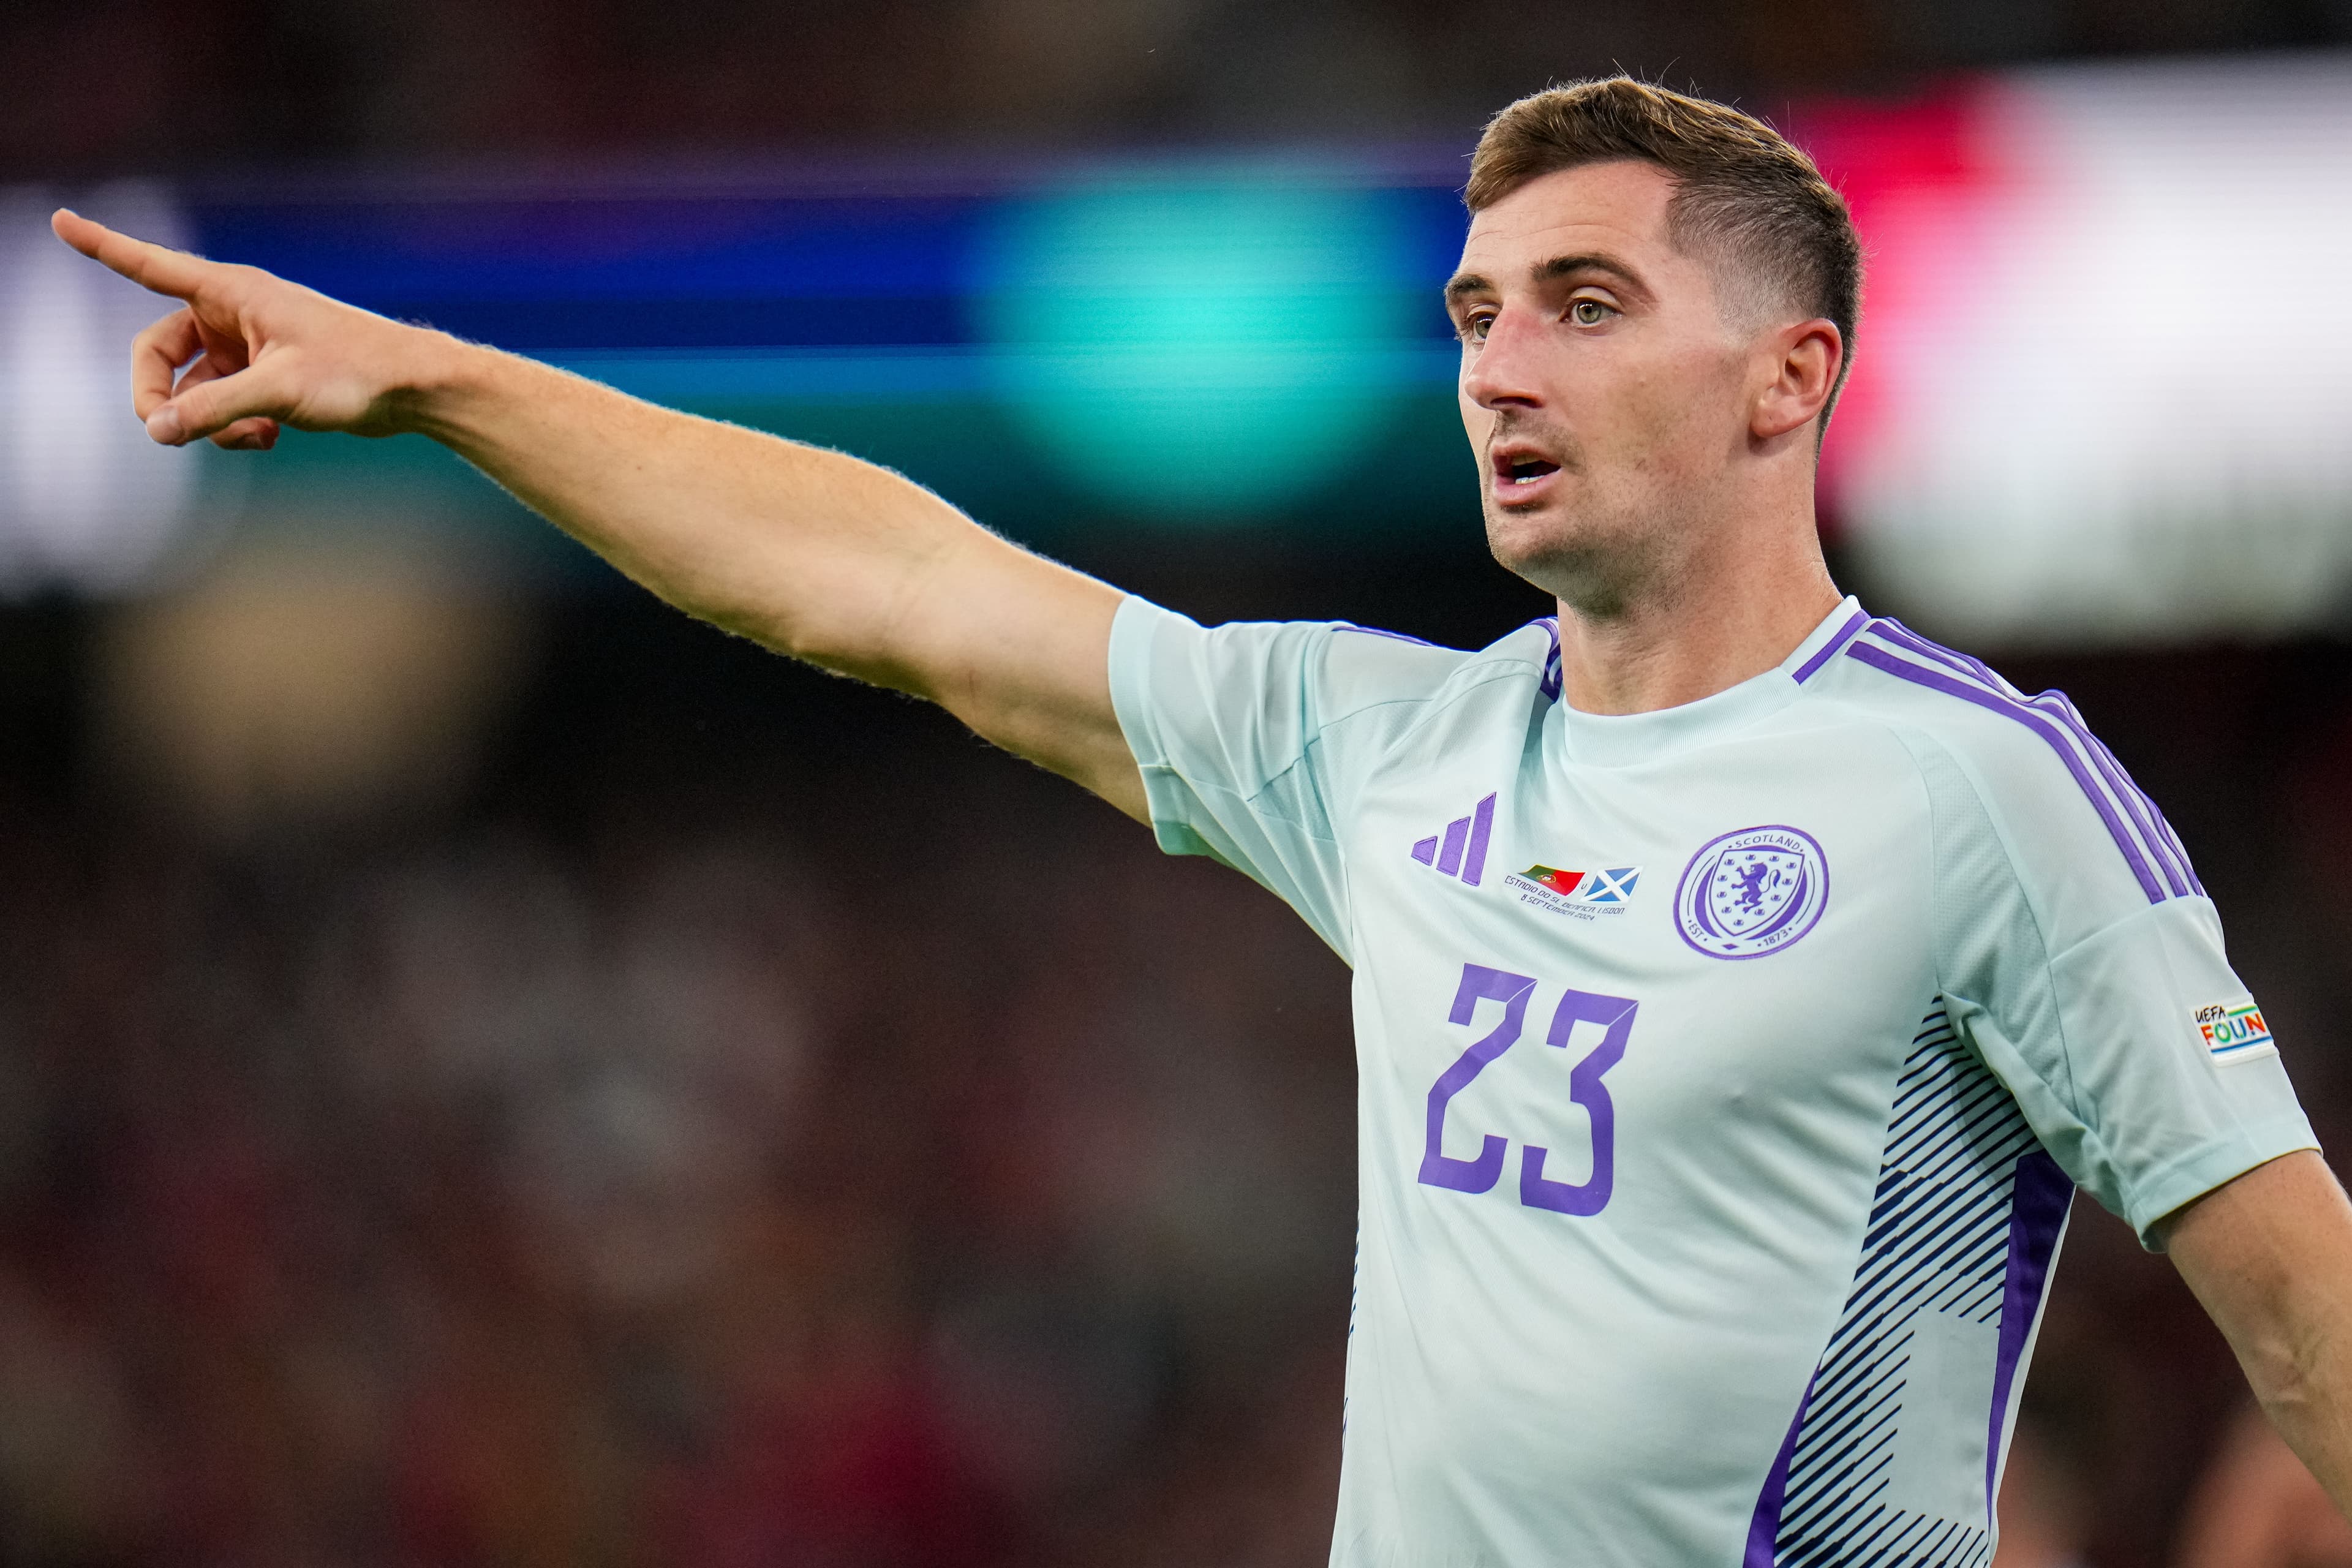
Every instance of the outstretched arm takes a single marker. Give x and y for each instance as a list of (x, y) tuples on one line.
[(2270, 1257), (812, 553)]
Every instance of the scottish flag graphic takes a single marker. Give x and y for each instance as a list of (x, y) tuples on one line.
[(1587, 887)]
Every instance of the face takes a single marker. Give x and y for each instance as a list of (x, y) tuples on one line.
[(1606, 395)]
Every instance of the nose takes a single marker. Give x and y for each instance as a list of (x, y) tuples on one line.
[(1502, 372)]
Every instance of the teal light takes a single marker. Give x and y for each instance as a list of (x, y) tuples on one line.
[(1202, 346)]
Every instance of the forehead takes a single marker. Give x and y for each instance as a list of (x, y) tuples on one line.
[(1617, 207)]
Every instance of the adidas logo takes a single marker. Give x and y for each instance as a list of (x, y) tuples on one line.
[(1461, 850)]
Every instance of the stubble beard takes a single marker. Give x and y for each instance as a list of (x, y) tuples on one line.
[(1606, 545), (1600, 562)]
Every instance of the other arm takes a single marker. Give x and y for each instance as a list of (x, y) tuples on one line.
[(812, 553), (2269, 1255)]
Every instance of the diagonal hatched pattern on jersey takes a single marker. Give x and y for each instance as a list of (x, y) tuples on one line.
[(1873, 1256), (1938, 1243)]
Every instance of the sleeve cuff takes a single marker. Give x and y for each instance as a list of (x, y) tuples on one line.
[(2194, 1174), (1133, 632)]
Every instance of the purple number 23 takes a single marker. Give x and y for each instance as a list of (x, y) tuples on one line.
[(1614, 1013)]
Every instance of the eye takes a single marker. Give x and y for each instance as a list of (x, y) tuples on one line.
[(1474, 324), (1588, 312)]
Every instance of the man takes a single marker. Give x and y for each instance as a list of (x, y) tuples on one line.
[(1741, 981)]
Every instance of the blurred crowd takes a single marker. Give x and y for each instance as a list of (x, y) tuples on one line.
[(111, 86), (755, 1124), (820, 1187)]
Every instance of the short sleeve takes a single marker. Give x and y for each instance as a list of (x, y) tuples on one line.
[(2108, 1008), (1253, 739)]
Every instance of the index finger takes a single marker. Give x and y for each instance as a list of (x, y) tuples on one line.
[(150, 266)]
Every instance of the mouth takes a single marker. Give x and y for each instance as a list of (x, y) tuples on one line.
[(1518, 474)]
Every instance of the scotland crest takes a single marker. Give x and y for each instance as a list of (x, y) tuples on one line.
[(1752, 893)]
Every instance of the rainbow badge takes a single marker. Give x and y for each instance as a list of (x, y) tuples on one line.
[(2234, 1033)]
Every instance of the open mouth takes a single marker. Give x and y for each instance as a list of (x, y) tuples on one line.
[(1523, 471)]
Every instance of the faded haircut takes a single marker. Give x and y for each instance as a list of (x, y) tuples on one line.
[(1743, 197)]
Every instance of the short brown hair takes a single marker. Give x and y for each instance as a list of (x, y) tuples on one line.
[(1742, 192)]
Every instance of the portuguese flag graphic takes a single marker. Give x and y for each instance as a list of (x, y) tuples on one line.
[(1564, 882)]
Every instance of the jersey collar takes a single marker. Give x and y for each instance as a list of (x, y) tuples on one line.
[(1623, 739)]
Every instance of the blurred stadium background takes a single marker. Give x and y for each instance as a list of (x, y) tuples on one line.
[(492, 1072)]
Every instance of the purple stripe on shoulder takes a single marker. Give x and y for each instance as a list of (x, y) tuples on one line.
[(2171, 839), (2145, 817), (2032, 719), (1381, 632), (2142, 809), (1549, 685), (1764, 1525), (1895, 631), (1827, 650), (2037, 1217), (2154, 831), (2182, 850), (2150, 818)]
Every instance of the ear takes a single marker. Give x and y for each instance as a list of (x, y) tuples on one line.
[(1806, 358)]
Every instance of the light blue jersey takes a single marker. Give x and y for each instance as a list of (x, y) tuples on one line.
[(1725, 1073)]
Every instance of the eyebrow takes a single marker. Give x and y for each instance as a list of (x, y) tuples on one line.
[(1465, 284)]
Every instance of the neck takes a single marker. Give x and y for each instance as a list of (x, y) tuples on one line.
[(1715, 624)]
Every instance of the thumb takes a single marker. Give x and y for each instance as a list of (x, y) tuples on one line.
[(212, 406)]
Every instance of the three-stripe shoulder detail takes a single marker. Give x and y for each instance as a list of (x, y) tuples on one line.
[(2146, 841), (1549, 684), (1829, 650)]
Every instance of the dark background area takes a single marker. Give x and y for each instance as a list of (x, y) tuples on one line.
[(98, 89)]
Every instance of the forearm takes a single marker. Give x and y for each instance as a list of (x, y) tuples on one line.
[(810, 552), (2300, 1372), (2269, 1256)]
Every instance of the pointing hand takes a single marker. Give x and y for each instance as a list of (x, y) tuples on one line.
[(247, 353)]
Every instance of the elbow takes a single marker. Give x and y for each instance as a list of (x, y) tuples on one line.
[(2281, 1374), (764, 618), (807, 639), (2291, 1368), (823, 642), (756, 625)]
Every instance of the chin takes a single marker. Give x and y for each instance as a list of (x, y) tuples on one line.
[(1535, 541), (1595, 570), (1525, 532)]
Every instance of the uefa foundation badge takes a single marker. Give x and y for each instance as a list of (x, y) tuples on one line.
[(2233, 1031), (1753, 892)]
